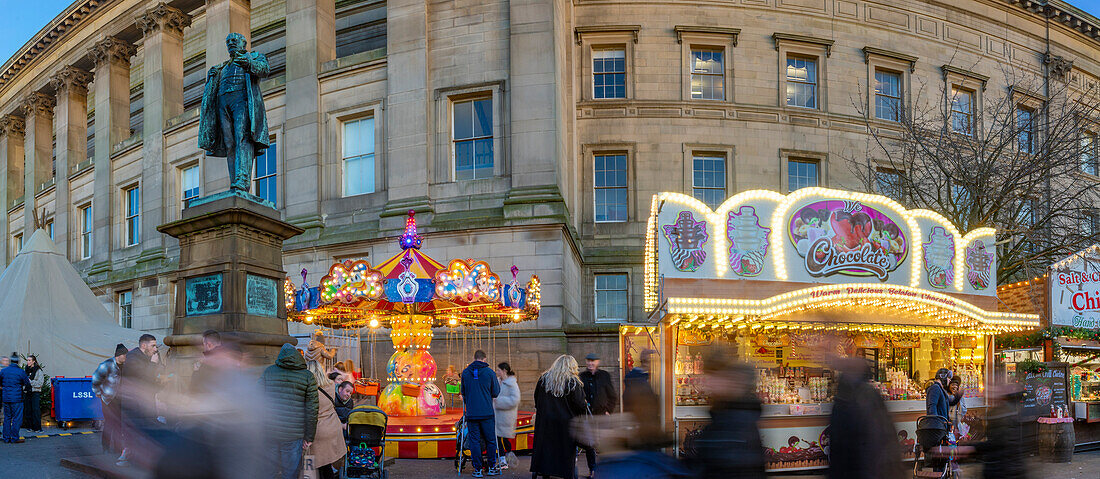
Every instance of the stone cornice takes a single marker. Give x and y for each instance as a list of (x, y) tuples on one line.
[(949, 70), (164, 18), (868, 51), (633, 30), (12, 125), (61, 25), (38, 103), (682, 29), (70, 78), (112, 48), (779, 38)]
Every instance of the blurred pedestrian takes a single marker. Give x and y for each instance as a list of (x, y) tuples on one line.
[(636, 381), (559, 397), (600, 393), (862, 439), (1003, 453), (506, 407), (291, 393), (729, 446), (328, 443), (139, 385), (479, 388), (200, 379), (13, 380), (105, 384), (631, 443), (32, 407)]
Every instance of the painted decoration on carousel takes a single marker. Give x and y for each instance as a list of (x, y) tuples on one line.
[(748, 242), (686, 239), (939, 258), (469, 282), (351, 281), (847, 237), (978, 265)]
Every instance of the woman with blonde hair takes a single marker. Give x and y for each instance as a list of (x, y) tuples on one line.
[(328, 444), (559, 397)]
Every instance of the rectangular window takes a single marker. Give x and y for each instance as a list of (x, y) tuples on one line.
[(801, 174), (473, 139), (708, 179), (962, 111), (609, 73), (86, 222), (1088, 153), (611, 297), (708, 79), (189, 183), (266, 184), (802, 82), (1090, 224), (133, 215), (1025, 130), (16, 244), (49, 228), (609, 183), (960, 197), (358, 156), (126, 309), (888, 183), (887, 95)]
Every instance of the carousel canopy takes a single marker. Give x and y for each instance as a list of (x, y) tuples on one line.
[(463, 292)]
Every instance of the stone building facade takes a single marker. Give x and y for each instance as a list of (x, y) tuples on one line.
[(526, 132)]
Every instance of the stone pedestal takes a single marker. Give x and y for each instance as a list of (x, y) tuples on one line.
[(230, 277)]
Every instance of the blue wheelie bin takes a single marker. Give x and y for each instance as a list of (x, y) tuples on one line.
[(73, 400)]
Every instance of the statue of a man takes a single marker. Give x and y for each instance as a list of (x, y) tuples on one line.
[(233, 122)]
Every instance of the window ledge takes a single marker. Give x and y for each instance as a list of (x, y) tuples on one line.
[(352, 61), (779, 38), (126, 145), (682, 29), (579, 32), (16, 203), (181, 120), (868, 51)]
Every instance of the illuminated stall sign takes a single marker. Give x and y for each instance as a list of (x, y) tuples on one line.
[(1075, 290), (816, 235)]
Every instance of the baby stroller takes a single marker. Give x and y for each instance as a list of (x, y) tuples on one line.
[(933, 431), (366, 442), (462, 451)]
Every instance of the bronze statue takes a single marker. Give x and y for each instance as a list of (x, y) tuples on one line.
[(232, 121)]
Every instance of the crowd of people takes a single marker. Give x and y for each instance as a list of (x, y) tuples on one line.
[(300, 405)]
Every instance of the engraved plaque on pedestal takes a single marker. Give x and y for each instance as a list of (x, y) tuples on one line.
[(261, 296)]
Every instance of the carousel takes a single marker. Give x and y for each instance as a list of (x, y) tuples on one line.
[(415, 297)]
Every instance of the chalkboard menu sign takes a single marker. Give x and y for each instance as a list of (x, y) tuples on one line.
[(1046, 389)]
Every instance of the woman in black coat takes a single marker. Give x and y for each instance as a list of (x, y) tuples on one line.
[(559, 397)]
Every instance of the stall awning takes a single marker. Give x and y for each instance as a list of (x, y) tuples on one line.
[(900, 306)]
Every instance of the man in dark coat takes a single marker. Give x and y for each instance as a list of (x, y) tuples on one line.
[(232, 118), (140, 383), (201, 378), (600, 393), (12, 382), (105, 384), (729, 447), (479, 387), (292, 418), (863, 442)]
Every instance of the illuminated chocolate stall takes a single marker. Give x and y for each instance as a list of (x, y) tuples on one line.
[(790, 281), (412, 294)]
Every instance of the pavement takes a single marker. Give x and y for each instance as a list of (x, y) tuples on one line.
[(43, 458)]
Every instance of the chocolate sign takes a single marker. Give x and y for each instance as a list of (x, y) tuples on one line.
[(847, 237)]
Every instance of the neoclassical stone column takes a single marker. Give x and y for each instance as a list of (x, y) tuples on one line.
[(162, 73), (112, 125), (310, 41), (71, 137), (11, 185), (409, 115), (222, 18), (37, 152), (536, 118)]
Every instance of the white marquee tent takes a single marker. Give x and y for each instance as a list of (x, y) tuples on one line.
[(46, 309)]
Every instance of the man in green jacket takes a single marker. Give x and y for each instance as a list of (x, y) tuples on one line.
[(291, 392)]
